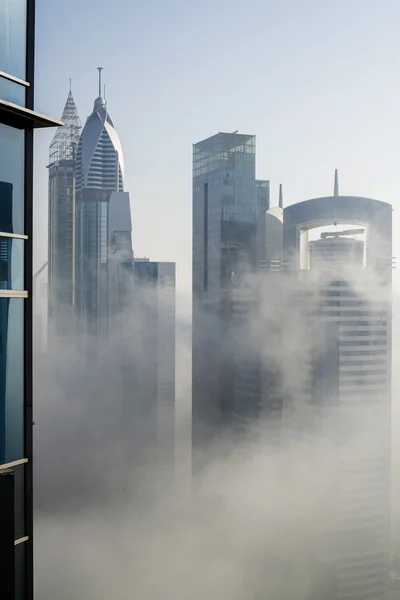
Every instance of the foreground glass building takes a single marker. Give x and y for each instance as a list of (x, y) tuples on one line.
[(17, 123)]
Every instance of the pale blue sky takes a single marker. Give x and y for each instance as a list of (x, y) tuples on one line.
[(316, 81)]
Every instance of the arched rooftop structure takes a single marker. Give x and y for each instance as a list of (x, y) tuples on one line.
[(374, 215)]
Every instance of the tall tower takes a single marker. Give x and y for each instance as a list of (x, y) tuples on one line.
[(227, 203), (61, 232), (99, 172), (345, 382)]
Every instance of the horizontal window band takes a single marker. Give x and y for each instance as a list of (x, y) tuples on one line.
[(13, 464), (21, 540), (13, 294), (14, 79), (13, 235)]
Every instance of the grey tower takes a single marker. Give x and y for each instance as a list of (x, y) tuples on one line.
[(99, 172), (61, 241), (346, 380), (227, 203)]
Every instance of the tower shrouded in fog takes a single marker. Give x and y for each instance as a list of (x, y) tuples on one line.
[(99, 173), (227, 204), (345, 385), (61, 237)]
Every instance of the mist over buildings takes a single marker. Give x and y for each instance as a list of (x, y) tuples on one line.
[(249, 526), (282, 488)]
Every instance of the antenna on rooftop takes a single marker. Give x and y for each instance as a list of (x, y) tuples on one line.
[(99, 70)]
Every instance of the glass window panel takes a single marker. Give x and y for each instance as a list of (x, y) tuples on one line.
[(19, 501), (11, 379), (11, 180), (11, 264), (19, 556), (13, 37), (11, 91)]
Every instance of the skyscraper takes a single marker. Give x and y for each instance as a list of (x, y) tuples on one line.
[(99, 172), (256, 305), (154, 389), (62, 203), (17, 123), (346, 383), (227, 203)]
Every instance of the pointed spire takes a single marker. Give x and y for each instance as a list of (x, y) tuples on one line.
[(67, 137), (280, 204), (99, 70), (336, 184), (70, 85)]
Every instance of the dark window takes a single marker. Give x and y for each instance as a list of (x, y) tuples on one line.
[(11, 264), (363, 342), (11, 379), (19, 501), (355, 333), (377, 352), (19, 555)]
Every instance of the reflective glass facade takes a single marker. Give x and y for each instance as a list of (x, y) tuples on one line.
[(227, 204), (16, 179)]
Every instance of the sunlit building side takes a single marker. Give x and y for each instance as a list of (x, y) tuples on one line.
[(99, 172)]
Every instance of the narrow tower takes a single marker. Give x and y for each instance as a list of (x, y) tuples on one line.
[(61, 243), (100, 172)]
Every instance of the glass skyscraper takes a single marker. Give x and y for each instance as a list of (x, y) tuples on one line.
[(17, 123), (227, 204)]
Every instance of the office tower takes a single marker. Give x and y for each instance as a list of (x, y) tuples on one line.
[(344, 390), (99, 172), (227, 203), (154, 390), (17, 123), (257, 301), (61, 245)]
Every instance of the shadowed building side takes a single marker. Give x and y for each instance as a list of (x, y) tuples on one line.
[(227, 203)]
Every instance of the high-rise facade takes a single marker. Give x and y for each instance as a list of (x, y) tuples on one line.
[(256, 304), (62, 219), (99, 173), (17, 123), (154, 390), (227, 204), (344, 388)]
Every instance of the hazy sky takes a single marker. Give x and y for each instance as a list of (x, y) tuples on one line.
[(316, 81)]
